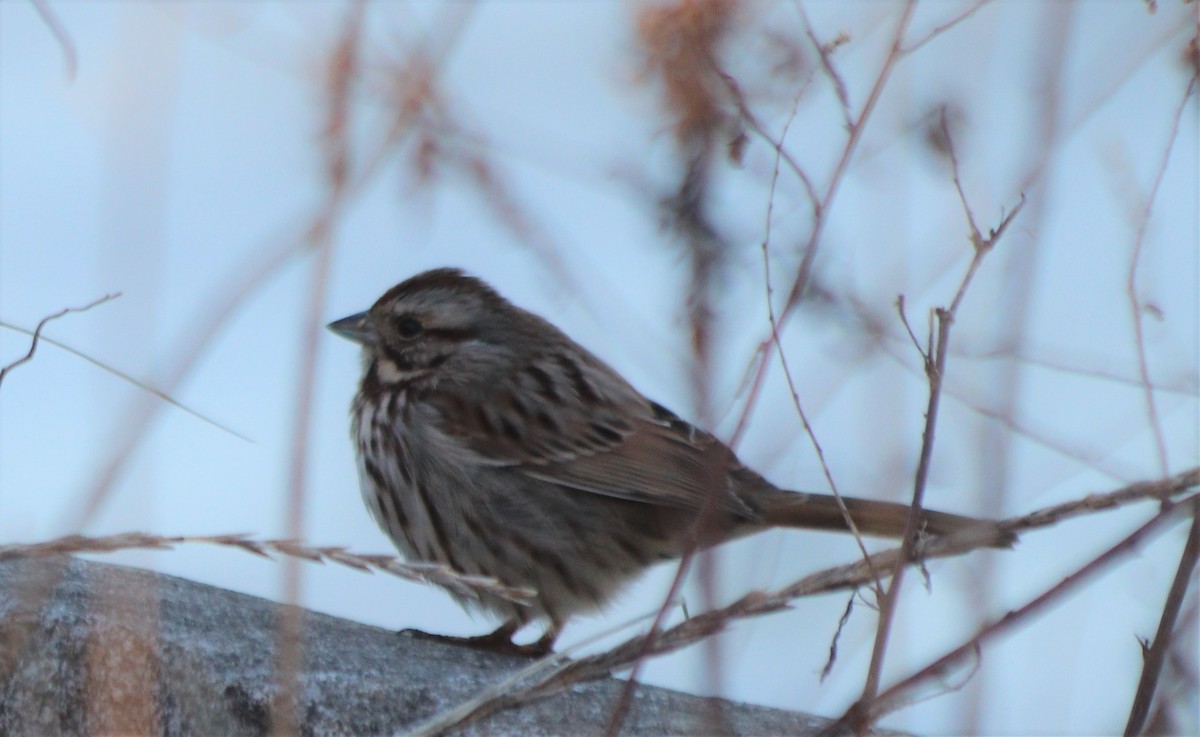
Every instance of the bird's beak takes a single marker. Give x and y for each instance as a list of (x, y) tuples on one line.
[(357, 328)]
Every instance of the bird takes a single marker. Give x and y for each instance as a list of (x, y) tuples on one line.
[(488, 441)]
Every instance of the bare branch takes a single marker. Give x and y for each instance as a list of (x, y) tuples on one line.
[(1090, 459), (780, 152), (803, 274), (787, 372), (1156, 654), (37, 333), (1137, 309), (982, 247), (908, 329), (825, 51), (822, 204), (867, 710), (976, 236), (935, 369), (939, 30), (1162, 489)]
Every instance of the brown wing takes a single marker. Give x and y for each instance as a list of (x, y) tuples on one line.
[(568, 419)]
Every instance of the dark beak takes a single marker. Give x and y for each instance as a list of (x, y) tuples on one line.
[(357, 328)]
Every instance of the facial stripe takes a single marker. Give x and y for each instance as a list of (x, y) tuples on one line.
[(388, 371)]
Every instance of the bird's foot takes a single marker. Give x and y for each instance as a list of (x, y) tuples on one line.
[(499, 641)]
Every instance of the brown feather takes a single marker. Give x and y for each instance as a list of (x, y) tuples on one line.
[(605, 437), (871, 517)]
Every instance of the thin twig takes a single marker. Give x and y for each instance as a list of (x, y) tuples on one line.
[(935, 369), (130, 380), (1088, 457), (939, 30), (1156, 654), (37, 333), (1161, 489), (781, 153), (461, 583), (649, 641), (821, 208), (877, 584), (837, 634), (856, 131), (866, 711), (1135, 304), (70, 57), (900, 304), (825, 51), (1097, 460), (934, 355), (956, 175), (822, 205), (1186, 385)]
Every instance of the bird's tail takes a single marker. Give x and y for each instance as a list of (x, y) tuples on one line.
[(873, 518)]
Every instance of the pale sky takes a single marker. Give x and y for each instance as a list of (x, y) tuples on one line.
[(183, 155)]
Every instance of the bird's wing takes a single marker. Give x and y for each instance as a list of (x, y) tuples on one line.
[(570, 420)]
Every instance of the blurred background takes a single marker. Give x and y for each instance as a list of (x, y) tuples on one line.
[(244, 173)]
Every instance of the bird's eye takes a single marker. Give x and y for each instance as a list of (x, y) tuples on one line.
[(409, 327)]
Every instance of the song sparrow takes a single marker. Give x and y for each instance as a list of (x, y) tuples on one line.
[(491, 442)]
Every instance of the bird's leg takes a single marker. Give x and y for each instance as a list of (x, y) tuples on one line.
[(499, 641)]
